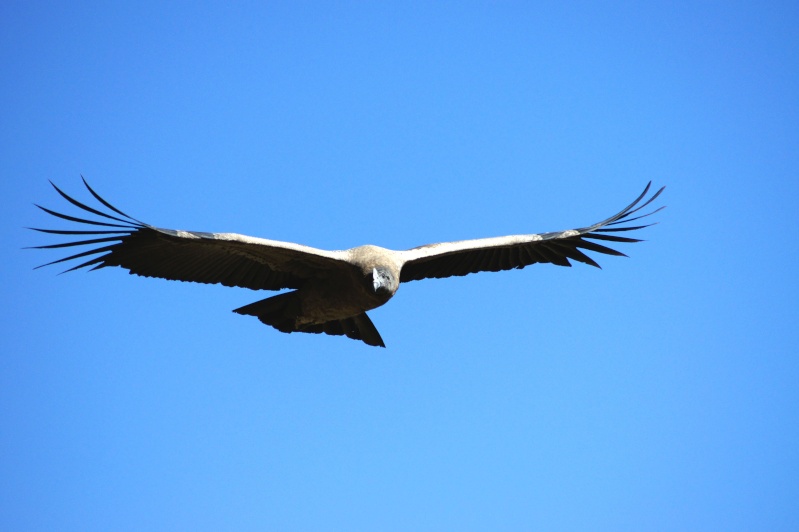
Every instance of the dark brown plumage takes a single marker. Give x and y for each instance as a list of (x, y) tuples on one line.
[(331, 290)]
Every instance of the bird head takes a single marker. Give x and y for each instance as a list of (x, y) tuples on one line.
[(383, 281)]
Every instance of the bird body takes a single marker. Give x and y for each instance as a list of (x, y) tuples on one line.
[(365, 279), (330, 290)]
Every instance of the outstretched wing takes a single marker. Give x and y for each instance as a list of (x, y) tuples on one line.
[(517, 251), (117, 239)]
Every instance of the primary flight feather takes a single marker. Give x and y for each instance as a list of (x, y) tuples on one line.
[(331, 290)]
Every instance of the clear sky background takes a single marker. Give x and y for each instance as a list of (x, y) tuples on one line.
[(659, 393)]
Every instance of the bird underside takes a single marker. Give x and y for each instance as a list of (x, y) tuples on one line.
[(283, 313)]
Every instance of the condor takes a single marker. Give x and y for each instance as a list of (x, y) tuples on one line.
[(330, 290)]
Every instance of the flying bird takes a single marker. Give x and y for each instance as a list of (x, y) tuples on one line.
[(330, 290)]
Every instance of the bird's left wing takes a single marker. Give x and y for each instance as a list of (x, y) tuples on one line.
[(517, 251), (215, 258)]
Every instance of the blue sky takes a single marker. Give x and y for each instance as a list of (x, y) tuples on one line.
[(659, 393)]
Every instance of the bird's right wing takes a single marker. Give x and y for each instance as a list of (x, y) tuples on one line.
[(215, 258)]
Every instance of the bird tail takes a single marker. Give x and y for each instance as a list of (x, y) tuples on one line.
[(358, 327), (281, 312), (278, 311)]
